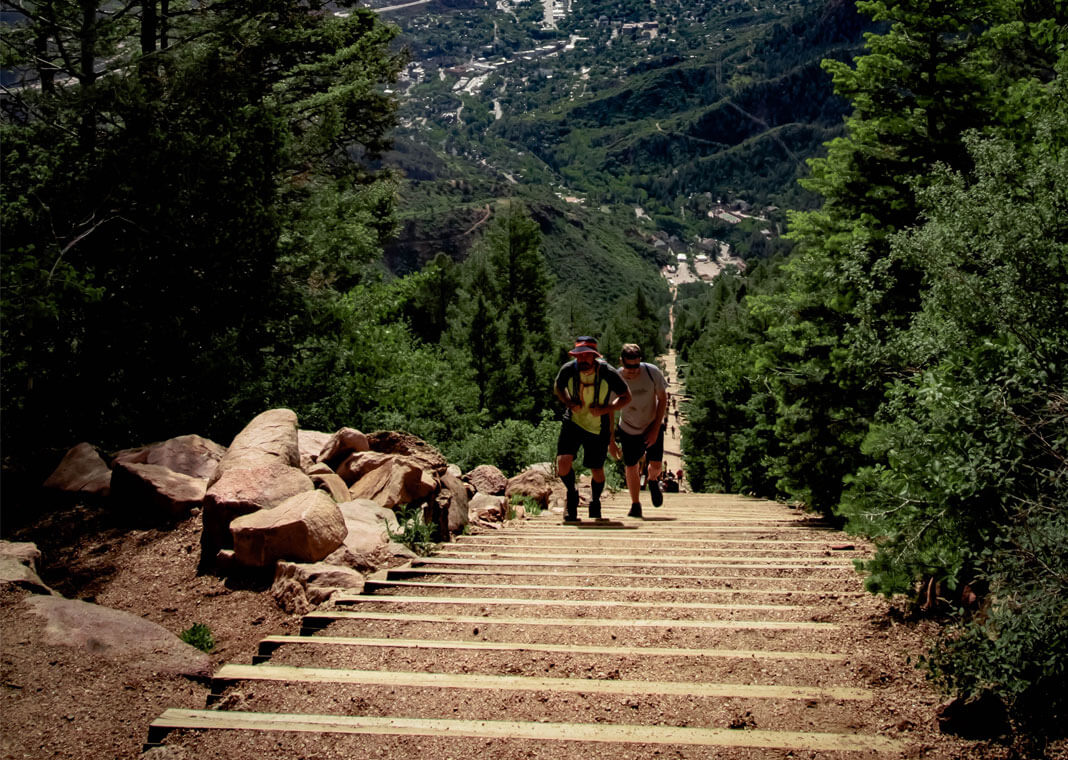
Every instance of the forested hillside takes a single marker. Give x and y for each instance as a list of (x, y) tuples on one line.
[(721, 102), (906, 369)]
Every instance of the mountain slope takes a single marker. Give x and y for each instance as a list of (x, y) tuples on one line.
[(725, 102)]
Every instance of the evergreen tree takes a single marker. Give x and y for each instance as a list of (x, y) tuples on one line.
[(634, 320), (833, 337), (502, 319), (911, 355), (968, 489), (514, 245), (160, 222), (435, 289)]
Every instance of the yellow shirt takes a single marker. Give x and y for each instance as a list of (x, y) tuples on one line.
[(583, 417)]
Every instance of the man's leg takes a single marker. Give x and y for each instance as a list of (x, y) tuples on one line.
[(633, 482), (566, 448), (595, 448), (655, 494), (596, 489), (633, 448), (656, 460), (567, 476)]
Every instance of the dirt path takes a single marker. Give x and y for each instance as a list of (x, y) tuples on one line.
[(717, 627), (676, 419)]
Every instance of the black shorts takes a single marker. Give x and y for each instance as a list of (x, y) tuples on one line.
[(594, 446), (634, 447)]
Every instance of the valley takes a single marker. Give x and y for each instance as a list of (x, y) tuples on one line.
[(587, 113)]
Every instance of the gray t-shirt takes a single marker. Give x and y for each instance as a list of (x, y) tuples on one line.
[(640, 413)]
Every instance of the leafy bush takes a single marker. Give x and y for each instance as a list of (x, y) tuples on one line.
[(511, 445), (415, 533), (1017, 646), (532, 508), (199, 636), (969, 486)]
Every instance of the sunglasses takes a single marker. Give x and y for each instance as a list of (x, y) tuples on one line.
[(632, 365)]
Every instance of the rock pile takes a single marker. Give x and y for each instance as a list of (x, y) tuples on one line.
[(310, 512), (297, 501)]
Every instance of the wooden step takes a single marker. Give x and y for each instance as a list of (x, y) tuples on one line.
[(373, 586), (291, 674), (653, 564), (724, 545), (727, 556), (648, 557), (314, 621), (202, 720), (271, 643), (593, 572), (582, 603)]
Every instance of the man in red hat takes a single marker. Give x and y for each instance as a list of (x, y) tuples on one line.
[(592, 391)]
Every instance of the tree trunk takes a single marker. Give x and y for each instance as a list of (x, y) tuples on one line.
[(86, 74)]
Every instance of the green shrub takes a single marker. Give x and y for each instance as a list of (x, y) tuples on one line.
[(415, 533), (199, 636), (511, 446), (1017, 645), (533, 508)]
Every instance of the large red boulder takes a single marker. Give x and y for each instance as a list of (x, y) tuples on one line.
[(310, 443), (139, 644), (396, 442), (189, 455), (453, 505), (356, 465), (340, 445), (152, 493), (534, 483), (82, 470), (399, 480), (259, 471), (304, 528), (487, 479)]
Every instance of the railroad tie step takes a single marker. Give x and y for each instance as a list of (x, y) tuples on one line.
[(203, 720), (229, 674)]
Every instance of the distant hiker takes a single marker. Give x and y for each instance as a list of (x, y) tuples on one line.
[(642, 425), (592, 391)]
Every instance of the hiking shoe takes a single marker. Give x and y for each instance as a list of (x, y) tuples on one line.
[(635, 510), (571, 509), (595, 509), (655, 493)]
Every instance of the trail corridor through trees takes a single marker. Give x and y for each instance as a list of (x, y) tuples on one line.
[(719, 626)]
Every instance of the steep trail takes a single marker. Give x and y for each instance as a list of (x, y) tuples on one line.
[(719, 626), (673, 454)]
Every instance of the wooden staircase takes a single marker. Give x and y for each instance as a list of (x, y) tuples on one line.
[(719, 626)]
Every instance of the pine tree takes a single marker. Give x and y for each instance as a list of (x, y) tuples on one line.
[(177, 202)]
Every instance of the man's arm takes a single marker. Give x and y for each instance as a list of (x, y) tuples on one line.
[(616, 385), (562, 394), (619, 402), (613, 447)]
